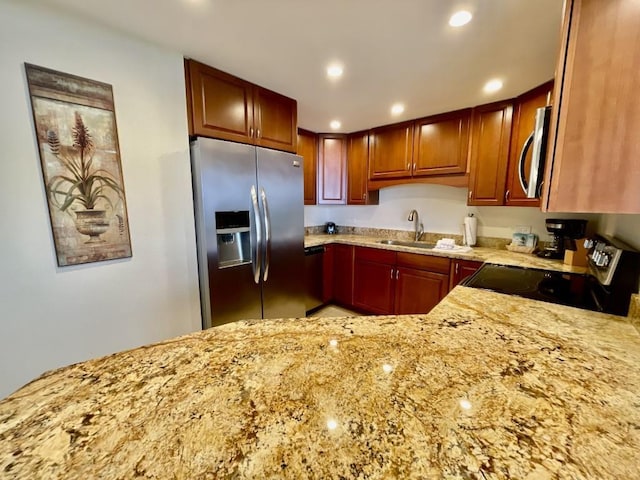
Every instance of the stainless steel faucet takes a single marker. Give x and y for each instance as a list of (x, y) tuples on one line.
[(417, 226)]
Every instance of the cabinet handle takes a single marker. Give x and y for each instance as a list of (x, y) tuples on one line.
[(397, 274), (251, 132), (414, 167), (258, 133), (470, 194), (392, 274), (457, 267), (364, 196), (506, 195)]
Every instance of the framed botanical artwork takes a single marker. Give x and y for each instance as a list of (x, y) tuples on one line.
[(75, 125)]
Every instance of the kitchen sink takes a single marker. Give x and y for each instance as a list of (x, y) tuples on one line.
[(408, 244)]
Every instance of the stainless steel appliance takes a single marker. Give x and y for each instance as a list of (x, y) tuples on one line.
[(565, 233), (614, 274), (250, 231), (538, 142)]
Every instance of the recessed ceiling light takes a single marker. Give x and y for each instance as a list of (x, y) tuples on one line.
[(493, 85), (335, 125), (460, 18), (397, 109), (334, 71)]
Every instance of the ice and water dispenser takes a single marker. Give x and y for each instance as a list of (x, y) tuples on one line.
[(234, 238)]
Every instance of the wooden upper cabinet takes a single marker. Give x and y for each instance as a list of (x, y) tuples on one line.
[(308, 150), (357, 162), (332, 169), (593, 159), (390, 151), (524, 116), (223, 106), (220, 105), (441, 144), (276, 122), (490, 136)]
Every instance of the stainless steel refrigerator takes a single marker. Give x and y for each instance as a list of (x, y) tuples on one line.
[(249, 212)]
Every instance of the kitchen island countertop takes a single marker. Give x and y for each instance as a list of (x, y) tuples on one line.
[(486, 386), (480, 254)]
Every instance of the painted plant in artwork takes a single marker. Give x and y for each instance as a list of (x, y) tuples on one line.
[(77, 138)]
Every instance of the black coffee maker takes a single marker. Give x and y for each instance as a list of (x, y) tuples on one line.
[(565, 233)]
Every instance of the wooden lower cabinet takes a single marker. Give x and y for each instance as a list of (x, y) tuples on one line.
[(418, 291), (342, 273), (374, 280), (461, 270), (389, 283)]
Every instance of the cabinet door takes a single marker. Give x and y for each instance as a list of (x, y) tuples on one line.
[(490, 135), (374, 280), (390, 151), (418, 291), (308, 149), (343, 274), (276, 120), (220, 105), (461, 270), (524, 116), (327, 273), (332, 169), (357, 160), (441, 144), (593, 165)]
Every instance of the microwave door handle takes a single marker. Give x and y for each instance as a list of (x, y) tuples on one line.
[(267, 235), (257, 250), (523, 155)]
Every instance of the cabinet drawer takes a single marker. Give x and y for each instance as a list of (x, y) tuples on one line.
[(376, 255), (424, 262)]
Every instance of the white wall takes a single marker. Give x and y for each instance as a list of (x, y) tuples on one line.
[(52, 316), (441, 209), (624, 227)]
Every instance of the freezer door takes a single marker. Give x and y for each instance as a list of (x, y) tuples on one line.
[(281, 195), (223, 176)]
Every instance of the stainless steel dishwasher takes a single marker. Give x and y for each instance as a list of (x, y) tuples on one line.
[(313, 257)]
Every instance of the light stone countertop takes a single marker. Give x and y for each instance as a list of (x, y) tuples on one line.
[(481, 254), (485, 386)]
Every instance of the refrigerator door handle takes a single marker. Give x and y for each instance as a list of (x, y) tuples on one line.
[(267, 234), (257, 250)]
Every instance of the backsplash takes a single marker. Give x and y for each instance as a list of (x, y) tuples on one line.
[(441, 209)]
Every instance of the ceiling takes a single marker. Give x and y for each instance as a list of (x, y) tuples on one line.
[(392, 50)]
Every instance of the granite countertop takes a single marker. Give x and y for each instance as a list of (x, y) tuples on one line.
[(480, 254), (486, 386)]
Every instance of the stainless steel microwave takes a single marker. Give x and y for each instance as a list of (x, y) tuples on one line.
[(537, 141)]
